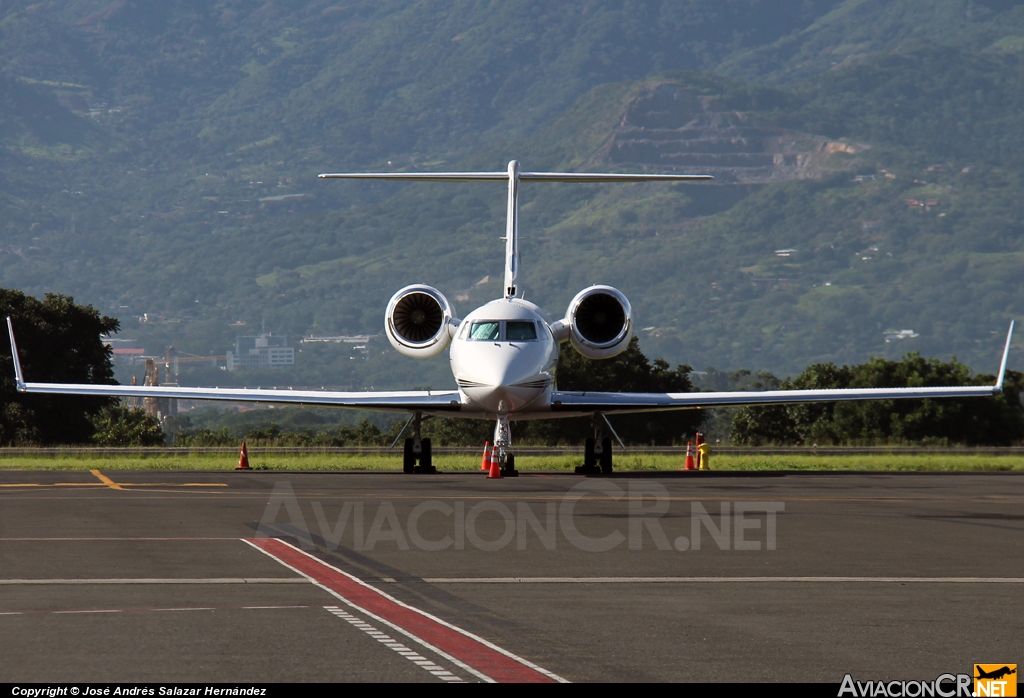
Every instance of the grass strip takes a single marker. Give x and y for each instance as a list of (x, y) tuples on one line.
[(623, 462)]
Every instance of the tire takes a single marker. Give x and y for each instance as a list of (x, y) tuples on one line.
[(426, 457), (606, 456), (408, 458)]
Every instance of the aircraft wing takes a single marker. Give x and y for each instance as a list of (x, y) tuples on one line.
[(573, 403), (386, 401), (587, 402)]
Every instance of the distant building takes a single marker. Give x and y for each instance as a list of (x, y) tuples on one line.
[(339, 339), (892, 335), (126, 351), (262, 351)]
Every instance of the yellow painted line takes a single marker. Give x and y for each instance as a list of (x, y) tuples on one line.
[(55, 484), (106, 480)]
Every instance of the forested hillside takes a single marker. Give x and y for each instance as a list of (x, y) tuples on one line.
[(162, 159)]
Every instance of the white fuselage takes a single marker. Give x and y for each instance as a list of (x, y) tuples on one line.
[(503, 357)]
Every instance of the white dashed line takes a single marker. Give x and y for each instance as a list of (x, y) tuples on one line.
[(386, 640), (190, 608), (722, 580)]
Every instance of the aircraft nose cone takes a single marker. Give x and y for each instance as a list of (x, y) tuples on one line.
[(503, 386), (502, 399)]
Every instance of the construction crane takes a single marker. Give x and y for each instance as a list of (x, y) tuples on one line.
[(165, 407)]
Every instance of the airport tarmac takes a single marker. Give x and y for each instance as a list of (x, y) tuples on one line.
[(266, 576)]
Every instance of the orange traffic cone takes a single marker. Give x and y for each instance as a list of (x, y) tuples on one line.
[(243, 459), (689, 456), (485, 462), (495, 466)]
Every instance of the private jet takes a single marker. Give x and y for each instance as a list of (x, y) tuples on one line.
[(503, 354)]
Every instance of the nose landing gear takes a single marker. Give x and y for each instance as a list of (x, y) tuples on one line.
[(503, 445)]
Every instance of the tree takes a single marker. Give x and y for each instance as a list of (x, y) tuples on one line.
[(125, 426), (58, 341), (997, 420)]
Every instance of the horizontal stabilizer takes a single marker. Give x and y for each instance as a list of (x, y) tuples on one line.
[(582, 177)]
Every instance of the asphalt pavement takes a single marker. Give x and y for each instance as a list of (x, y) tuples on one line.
[(280, 576)]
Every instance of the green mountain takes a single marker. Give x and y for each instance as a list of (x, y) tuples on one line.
[(855, 30), (161, 159)]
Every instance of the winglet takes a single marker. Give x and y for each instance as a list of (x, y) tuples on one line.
[(1002, 366), (18, 377)]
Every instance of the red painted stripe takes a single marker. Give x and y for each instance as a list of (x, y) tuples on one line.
[(454, 641)]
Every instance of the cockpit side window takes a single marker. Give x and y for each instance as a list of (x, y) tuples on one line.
[(487, 330), (520, 331)]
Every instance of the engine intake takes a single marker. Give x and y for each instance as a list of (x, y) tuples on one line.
[(600, 322), (419, 321)]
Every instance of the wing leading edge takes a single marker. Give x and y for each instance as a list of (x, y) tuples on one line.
[(571, 403), (562, 403)]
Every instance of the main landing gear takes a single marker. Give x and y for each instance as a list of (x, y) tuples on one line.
[(597, 451), (417, 449)]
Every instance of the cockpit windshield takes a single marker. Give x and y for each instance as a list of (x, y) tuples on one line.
[(520, 331), (491, 329), (501, 331)]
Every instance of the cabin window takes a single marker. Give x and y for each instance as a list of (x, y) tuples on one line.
[(520, 331), (489, 330)]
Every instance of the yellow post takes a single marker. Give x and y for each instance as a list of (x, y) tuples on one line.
[(705, 456)]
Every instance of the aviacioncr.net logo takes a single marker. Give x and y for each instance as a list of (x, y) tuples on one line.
[(945, 686), (995, 680)]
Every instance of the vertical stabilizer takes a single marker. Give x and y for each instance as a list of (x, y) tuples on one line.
[(512, 231), (513, 176)]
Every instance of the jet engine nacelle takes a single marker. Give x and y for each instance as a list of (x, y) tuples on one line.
[(599, 322), (419, 321)]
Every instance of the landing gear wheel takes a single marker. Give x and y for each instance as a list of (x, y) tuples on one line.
[(426, 458), (589, 466), (606, 456), (408, 458), (510, 466)]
